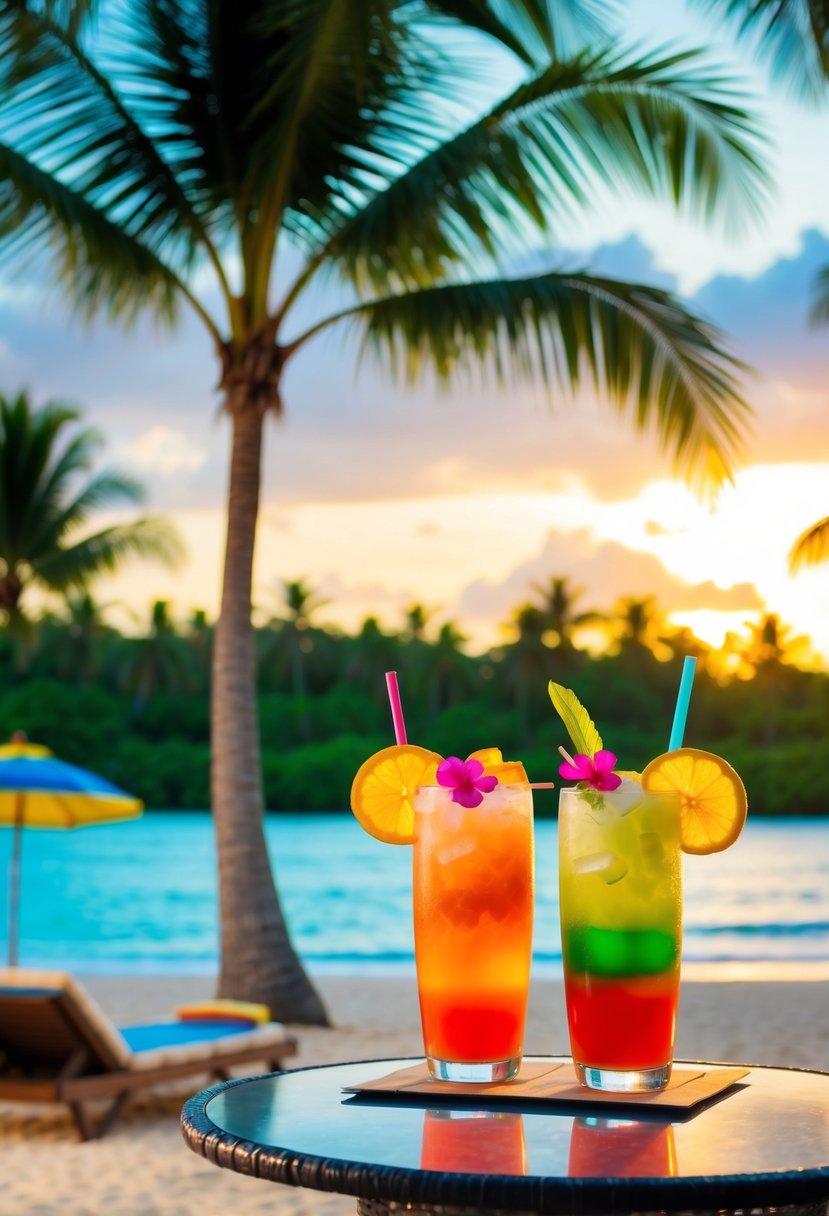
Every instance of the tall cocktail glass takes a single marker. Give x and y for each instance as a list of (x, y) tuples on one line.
[(620, 891), (473, 916)]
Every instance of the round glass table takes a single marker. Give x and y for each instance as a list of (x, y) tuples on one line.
[(764, 1145)]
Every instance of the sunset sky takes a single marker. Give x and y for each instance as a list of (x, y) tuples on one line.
[(381, 496)]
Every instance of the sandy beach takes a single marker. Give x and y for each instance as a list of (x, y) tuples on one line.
[(142, 1167)]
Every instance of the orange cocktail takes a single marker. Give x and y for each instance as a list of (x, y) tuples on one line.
[(473, 1142), (473, 916)]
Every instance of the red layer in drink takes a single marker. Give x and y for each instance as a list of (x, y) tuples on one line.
[(489, 1030), (624, 1024)]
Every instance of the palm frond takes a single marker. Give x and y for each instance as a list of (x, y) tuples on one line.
[(64, 113), (27, 444), (660, 365), (75, 565), (532, 29), (811, 547), (792, 35), (351, 91), (56, 517), (820, 302), (99, 263), (48, 488), (71, 15), (659, 124)]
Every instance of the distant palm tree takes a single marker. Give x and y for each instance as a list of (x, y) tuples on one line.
[(639, 626), (77, 643), (44, 512), (526, 659), (558, 604), (770, 643), (288, 642), (370, 651), (542, 631), (160, 661), (417, 618), (199, 638), (766, 655), (226, 156), (452, 676)]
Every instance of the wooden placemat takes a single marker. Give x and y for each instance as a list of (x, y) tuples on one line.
[(555, 1083)]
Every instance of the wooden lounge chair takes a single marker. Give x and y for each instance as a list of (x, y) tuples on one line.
[(57, 1045)]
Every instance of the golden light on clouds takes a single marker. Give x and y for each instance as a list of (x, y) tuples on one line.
[(473, 557), (710, 625)]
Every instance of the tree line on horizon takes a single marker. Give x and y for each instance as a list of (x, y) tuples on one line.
[(136, 707)]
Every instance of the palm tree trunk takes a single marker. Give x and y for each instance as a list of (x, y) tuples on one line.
[(258, 961)]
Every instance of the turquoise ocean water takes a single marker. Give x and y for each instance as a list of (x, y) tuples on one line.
[(141, 896)]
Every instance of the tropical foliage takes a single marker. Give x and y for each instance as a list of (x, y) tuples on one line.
[(45, 542), (792, 35), (811, 547), (750, 703), (227, 157)]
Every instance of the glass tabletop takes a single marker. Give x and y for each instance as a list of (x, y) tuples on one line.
[(774, 1122)]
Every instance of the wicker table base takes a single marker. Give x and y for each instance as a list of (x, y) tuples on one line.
[(375, 1207)]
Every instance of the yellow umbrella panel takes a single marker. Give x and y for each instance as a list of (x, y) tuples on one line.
[(39, 791)]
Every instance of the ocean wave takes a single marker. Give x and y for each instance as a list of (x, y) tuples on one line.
[(773, 929)]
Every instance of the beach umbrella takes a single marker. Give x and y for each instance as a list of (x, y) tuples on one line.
[(39, 791)]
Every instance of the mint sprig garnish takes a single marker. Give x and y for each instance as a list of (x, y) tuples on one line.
[(580, 726)]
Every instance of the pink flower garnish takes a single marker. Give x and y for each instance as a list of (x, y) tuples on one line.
[(466, 780), (597, 772)]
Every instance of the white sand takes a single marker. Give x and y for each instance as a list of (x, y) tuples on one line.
[(143, 1168)]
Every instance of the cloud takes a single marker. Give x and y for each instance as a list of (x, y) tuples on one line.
[(768, 314), (350, 433), (161, 449), (604, 572)]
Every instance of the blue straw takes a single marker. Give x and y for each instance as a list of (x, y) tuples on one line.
[(682, 700)]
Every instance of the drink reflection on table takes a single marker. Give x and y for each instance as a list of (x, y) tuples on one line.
[(621, 1148), (473, 1142)]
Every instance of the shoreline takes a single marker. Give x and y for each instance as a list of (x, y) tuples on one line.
[(731, 1019), (695, 971), (142, 1168)]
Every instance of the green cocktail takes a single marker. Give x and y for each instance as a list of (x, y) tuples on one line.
[(620, 885)]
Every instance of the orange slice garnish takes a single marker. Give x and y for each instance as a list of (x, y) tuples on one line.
[(384, 787), (508, 772), (713, 804)]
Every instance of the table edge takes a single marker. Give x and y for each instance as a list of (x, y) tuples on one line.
[(518, 1193)]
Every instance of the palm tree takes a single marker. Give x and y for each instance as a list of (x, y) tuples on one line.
[(43, 512), (770, 643), (157, 662), (639, 628), (228, 157), (452, 676), (77, 643), (526, 660), (368, 652), (199, 639), (417, 618), (558, 605), (289, 642)]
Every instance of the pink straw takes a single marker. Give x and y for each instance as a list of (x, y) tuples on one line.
[(396, 707)]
